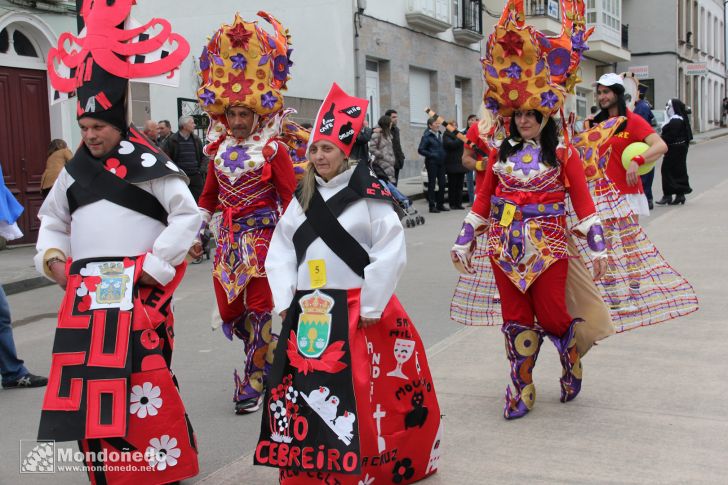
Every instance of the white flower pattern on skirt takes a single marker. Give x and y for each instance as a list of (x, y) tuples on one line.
[(162, 452), (145, 400)]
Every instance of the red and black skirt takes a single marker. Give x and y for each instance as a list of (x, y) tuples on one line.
[(347, 404), (110, 386)]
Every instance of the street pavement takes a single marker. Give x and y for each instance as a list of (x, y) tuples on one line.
[(651, 410)]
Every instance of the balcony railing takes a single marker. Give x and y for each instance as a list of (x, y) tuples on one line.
[(543, 8), (429, 15), (470, 16), (468, 27), (625, 36)]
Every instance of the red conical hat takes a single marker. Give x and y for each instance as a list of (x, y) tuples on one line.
[(339, 119)]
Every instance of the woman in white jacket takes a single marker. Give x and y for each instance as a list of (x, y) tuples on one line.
[(350, 380)]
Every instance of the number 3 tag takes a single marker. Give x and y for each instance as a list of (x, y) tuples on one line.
[(317, 270)]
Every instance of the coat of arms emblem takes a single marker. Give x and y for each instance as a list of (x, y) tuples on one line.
[(114, 282), (314, 324)]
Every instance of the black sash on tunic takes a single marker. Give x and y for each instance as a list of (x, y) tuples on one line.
[(322, 219), (141, 160)]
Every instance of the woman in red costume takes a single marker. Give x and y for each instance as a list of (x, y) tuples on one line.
[(520, 205)]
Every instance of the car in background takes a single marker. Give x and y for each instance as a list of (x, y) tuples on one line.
[(425, 183), (658, 120)]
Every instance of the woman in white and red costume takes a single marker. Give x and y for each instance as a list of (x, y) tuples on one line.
[(350, 398), (520, 205), (250, 182)]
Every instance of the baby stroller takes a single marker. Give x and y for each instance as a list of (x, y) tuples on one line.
[(411, 216), (206, 240)]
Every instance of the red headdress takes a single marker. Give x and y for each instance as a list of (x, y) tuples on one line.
[(105, 55), (339, 120)]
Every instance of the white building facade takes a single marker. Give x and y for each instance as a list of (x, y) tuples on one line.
[(680, 52)]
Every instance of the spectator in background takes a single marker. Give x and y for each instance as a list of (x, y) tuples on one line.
[(58, 157), (592, 113), (185, 149), (164, 130), (431, 148), (469, 174), (13, 372), (382, 148), (454, 167), (360, 149), (643, 108), (396, 144), (151, 130)]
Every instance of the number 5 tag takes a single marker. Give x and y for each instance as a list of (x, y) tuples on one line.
[(317, 270), (509, 210)]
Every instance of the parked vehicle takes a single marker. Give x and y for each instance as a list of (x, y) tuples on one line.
[(658, 120), (424, 186)]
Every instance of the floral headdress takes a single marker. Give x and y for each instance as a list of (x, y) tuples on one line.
[(524, 69), (243, 65)]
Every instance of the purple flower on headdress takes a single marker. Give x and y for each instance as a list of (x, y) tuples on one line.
[(491, 70), (268, 100), (539, 67), (207, 97), (217, 59), (549, 99), (514, 71), (578, 43), (559, 60), (491, 104), (264, 59), (280, 68), (235, 157), (204, 59), (239, 61)]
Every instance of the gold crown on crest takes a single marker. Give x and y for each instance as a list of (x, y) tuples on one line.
[(316, 303), (112, 269)]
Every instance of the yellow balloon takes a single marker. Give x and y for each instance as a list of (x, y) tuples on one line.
[(632, 151)]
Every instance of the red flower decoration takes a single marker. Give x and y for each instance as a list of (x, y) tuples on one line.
[(84, 304), (515, 93), (114, 166), (512, 44), (237, 87), (91, 282), (239, 36)]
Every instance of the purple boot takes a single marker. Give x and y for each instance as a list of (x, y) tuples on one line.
[(570, 362), (255, 332), (522, 345)]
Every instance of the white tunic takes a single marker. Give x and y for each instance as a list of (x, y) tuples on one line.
[(104, 229), (373, 223)]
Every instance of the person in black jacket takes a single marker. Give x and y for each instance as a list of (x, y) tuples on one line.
[(185, 149), (454, 167), (360, 150), (397, 144), (431, 148)]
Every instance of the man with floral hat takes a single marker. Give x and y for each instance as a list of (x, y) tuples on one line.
[(250, 181), (115, 229)]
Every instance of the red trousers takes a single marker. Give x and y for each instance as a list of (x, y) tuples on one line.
[(256, 298), (545, 299)]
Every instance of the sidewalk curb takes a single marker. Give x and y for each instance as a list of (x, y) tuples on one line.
[(15, 287)]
